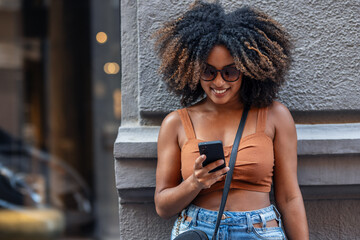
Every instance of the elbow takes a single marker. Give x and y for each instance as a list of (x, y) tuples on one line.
[(162, 213), (283, 201), (161, 209)]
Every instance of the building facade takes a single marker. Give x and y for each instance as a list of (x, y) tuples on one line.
[(321, 93)]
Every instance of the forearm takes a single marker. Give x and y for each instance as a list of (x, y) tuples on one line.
[(171, 201), (294, 219)]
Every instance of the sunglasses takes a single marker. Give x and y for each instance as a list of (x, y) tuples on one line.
[(228, 73)]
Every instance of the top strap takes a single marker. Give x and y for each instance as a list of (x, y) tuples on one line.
[(261, 119), (229, 174), (187, 124)]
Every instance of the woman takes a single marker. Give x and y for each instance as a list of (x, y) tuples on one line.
[(218, 62)]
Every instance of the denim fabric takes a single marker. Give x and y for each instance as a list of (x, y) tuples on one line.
[(235, 225)]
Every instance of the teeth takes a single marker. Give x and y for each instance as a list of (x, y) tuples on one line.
[(219, 91)]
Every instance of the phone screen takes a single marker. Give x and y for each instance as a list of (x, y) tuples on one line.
[(213, 151)]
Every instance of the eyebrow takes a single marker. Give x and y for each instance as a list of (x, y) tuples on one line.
[(223, 66)]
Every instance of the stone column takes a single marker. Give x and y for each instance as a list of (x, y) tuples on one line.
[(322, 85)]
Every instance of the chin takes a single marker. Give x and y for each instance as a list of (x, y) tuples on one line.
[(220, 101)]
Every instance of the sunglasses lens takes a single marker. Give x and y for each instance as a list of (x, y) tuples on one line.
[(208, 73), (230, 74)]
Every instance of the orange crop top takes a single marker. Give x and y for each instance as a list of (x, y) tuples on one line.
[(254, 163)]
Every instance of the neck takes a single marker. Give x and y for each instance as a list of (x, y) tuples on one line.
[(234, 105)]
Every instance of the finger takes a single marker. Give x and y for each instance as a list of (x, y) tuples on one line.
[(216, 176), (214, 165), (199, 161), (222, 171), (219, 173)]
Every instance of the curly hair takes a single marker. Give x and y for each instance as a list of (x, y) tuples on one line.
[(259, 45)]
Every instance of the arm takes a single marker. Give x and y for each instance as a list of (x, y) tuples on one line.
[(171, 194), (287, 192)]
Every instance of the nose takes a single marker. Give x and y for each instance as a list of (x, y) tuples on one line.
[(219, 81)]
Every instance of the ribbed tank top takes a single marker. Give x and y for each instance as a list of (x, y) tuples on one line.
[(255, 158)]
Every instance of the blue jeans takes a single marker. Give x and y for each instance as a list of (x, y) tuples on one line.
[(234, 225)]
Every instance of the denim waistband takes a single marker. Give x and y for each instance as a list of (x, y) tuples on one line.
[(233, 218)]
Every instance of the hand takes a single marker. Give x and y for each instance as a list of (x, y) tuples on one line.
[(201, 176)]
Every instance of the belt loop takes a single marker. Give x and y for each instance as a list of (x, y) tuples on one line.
[(276, 211), (279, 222), (249, 222), (263, 220), (278, 215), (195, 216)]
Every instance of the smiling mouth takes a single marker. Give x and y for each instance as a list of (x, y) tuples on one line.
[(219, 91)]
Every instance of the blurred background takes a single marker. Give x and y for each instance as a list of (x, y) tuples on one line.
[(60, 107)]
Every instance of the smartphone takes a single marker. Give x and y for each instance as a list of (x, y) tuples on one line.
[(213, 151)]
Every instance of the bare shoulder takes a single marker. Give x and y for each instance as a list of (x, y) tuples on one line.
[(171, 123), (171, 119), (277, 109), (279, 115)]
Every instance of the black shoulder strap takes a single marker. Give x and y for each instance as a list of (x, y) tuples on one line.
[(231, 166)]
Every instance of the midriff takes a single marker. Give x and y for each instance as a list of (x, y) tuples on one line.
[(238, 200)]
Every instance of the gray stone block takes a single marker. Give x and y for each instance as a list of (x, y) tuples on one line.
[(333, 219), (129, 63), (135, 173), (328, 156), (329, 170), (140, 221), (324, 75)]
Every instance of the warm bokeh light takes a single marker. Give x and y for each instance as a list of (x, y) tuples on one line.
[(99, 89), (117, 103), (101, 37), (111, 68)]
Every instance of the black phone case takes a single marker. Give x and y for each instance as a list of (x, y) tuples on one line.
[(213, 151)]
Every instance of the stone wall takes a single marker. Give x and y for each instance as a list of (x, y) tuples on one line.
[(321, 92)]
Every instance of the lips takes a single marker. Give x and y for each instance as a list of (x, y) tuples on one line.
[(219, 92)]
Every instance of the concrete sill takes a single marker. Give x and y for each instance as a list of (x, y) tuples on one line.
[(317, 139), (327, 170), (136, 142), (320, 192)]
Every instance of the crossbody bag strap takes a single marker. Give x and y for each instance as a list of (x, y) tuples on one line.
[(231, 166)]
